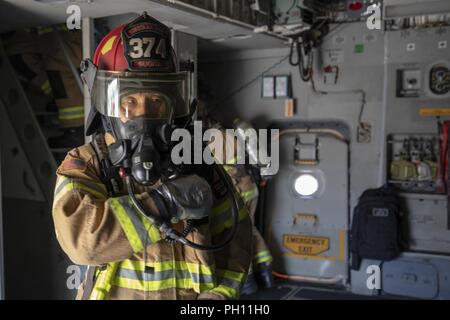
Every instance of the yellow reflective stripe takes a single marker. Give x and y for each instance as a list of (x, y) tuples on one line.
[(139, 230), (224, 206), (233, 275), (207, 282), (135, 265), (246, 195), (230, 283), (166, 274), (71, 117), (227, 292), (104, 280), (221, 208), (170, 283), (249, 195), (46, 88), (68, 185), (75, 112), (74, 185), (127, 225), (65, 184), (262, 253), (217, 228), (45, 85), (228, 168), (98, 187), (71, 109), (263, 256), (151, 285), (152, 231)]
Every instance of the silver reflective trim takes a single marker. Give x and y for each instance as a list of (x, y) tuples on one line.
[(87, 183), (164, 275), (137, 223), (230, 283)]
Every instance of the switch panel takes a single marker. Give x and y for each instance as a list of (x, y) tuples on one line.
[(409, 83)]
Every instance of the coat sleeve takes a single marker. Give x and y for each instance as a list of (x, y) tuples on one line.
[(92, 228), (233, 261), (248, 190)]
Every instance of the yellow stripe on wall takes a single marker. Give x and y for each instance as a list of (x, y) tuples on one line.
[(434, 112)]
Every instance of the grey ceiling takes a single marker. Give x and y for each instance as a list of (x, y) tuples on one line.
[(16, 14)]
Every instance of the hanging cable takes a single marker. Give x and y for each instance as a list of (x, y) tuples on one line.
[(303, 51), (302, 45), (294, 46)]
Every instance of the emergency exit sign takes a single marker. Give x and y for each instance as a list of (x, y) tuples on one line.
[(306, 245)]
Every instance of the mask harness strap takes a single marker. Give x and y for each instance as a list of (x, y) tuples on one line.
[(109, 173)]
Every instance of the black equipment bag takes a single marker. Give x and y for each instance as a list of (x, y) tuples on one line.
[(376, 227)]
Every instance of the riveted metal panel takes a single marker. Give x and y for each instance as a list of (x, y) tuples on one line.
[(316, 225)]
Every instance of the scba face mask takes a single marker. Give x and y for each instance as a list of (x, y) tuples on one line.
[(138, 108)]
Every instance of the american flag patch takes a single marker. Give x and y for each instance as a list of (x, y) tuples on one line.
[(73, 164)]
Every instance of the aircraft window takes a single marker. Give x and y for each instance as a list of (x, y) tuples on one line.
[(306, 185)]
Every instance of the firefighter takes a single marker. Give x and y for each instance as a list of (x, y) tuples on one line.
[(40, 57), (60, 47), (260, 274), (114, 209), (25, 55), (246, 180)]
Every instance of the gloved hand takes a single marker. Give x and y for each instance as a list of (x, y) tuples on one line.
[(185, 198)]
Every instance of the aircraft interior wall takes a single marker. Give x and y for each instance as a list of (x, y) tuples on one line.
[(375, 113)]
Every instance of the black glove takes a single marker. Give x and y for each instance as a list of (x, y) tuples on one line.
[(184, 198)]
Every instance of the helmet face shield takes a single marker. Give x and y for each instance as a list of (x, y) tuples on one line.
[(141, 96), (145, 104)]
